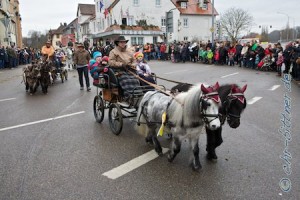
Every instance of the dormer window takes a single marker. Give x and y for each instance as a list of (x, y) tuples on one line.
[(204, 7), (183, 5)]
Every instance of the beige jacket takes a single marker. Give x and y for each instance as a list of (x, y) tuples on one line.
[(120, 58), (82, 57)]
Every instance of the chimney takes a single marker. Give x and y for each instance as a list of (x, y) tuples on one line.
[(65, 24)]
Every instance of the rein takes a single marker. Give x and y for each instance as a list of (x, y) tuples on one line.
[(172, 81), (155, 86)]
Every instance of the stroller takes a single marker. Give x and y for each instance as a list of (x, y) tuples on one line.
[(265, 64)]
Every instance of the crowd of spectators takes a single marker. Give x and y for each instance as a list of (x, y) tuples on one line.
[(253, 55), (11, 57)]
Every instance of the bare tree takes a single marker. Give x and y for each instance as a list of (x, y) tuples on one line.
[(35, 39), (234, 21)]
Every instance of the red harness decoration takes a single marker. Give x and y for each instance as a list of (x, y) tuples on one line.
[(238, 93)]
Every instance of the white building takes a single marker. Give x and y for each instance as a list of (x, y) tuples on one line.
[(144, 21)]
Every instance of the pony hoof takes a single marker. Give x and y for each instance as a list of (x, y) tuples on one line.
[(211, 156), (196, 167), (148, 140), (170, 159)]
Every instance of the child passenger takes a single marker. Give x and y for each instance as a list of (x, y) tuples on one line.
[(143, 69), (94, 66)]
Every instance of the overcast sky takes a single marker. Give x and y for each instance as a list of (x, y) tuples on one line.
[(41, 15)]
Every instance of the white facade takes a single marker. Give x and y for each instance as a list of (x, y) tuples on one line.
[(185, 27), (83, 29), (197, 28)]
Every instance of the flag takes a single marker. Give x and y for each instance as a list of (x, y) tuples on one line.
[(101, 5), (105, 12)]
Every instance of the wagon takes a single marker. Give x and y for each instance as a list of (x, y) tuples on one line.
[(110, 96)]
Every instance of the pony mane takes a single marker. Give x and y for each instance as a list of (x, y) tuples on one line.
[(224, 90), (189, 112)]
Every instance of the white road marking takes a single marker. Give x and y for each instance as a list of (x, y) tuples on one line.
[(41, 121), (7, 99), (132, 164), (174, 72), (253, 100), (230, 75), (274, 87)]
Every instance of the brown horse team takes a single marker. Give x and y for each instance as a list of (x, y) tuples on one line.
[(37, 74)]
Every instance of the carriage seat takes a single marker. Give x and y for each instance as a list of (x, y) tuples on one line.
[(107, 79)]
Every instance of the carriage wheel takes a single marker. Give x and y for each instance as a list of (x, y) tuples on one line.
[(98, 109), (115, 118)]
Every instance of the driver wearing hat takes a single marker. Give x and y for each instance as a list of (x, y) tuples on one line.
[(47, 50), (121, 58)]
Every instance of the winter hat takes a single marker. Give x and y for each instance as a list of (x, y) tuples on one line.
[(105, 58), (138, 54), (92, 61), (97, 54)]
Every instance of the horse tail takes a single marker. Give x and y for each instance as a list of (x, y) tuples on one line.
[(141, 127)]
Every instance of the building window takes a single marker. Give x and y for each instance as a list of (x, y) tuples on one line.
[(98, 26), (136, 2), (157, 3), (185, 22), (140, 40), (204, 7), (130, 20), (133, 40), (185, 38), (137, 40), (108, 21), (163, 21), (183, 5), (154, 39)]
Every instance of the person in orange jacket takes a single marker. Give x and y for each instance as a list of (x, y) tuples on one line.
[(48, 51)]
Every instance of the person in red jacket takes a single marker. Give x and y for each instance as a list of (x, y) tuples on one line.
[(231, 54), (163, 49)]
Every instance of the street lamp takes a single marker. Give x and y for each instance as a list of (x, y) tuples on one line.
[(287, 26)]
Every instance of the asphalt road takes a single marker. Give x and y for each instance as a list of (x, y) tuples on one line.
[(51, 147)]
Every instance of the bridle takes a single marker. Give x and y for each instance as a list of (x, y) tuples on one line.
[(213, 96), (230, 98)]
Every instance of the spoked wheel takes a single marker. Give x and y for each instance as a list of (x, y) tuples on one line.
[(98, 109), (115, 118)]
